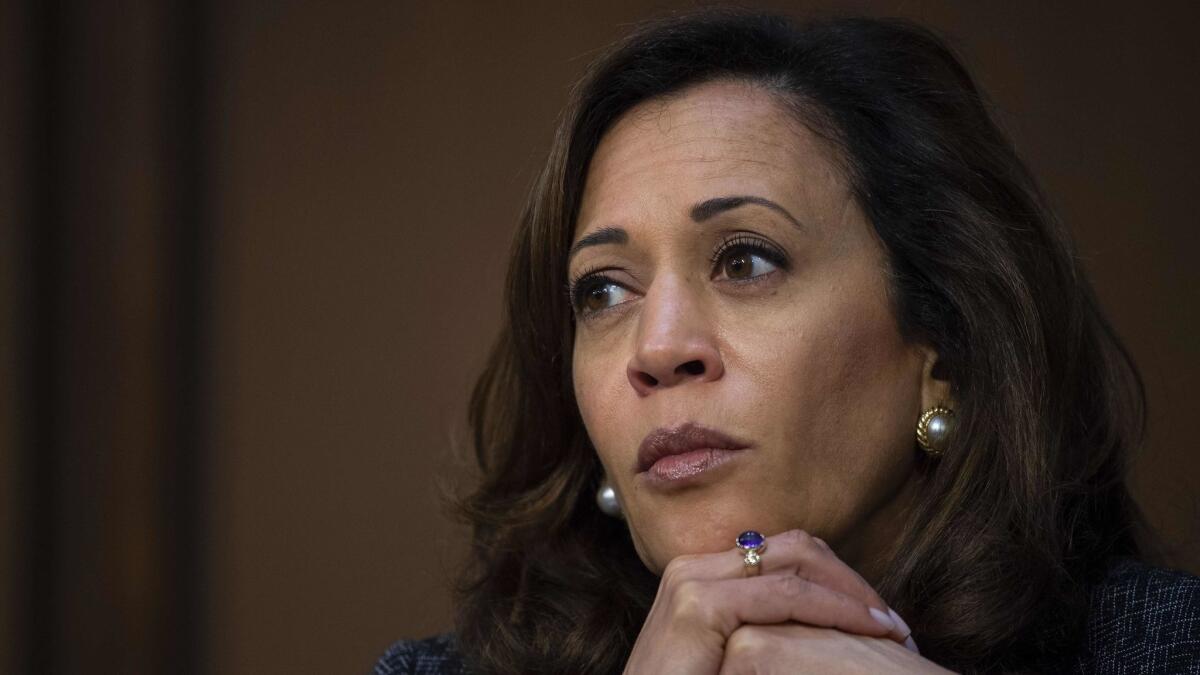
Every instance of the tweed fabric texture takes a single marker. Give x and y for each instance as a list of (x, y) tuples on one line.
[(1143, 619), (437, 655)]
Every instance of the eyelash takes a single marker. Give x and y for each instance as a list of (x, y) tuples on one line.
[(582, 284), (591, 277), (753, 244)]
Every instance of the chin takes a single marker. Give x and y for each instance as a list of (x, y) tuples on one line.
[(698, 529)]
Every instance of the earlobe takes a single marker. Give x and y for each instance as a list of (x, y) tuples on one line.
[(936, 422), (935, 381)]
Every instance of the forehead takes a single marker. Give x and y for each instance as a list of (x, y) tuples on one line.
[(722, 137)]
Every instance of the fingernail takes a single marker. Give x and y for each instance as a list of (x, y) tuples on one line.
[(908, 640), (883, 619), (899, 622)]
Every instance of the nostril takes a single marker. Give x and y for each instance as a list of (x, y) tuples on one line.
[(693, 367), (648, 379)]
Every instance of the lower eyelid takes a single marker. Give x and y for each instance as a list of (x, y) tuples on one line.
[(586, 284), (597, 313), (766, 276)]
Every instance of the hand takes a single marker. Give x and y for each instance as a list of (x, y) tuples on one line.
[(797, 649), (703, 599)]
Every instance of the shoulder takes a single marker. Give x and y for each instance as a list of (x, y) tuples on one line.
[(437, 655), (1143, 618)]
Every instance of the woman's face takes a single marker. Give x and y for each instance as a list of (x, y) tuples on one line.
[(743, 292)]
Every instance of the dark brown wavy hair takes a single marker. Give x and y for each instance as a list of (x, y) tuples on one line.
[(1029, 503)]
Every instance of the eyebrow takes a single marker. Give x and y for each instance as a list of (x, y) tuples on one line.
[(604, 235), (701, 212), (717, 205)]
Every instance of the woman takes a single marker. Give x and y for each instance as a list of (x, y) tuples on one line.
[(793, 281)]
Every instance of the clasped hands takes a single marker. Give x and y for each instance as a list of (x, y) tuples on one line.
[(807, 612)]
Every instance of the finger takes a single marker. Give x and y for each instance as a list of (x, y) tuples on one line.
[(811, 558), (728, 603), (792, 552), (793, 648), (795, 553)]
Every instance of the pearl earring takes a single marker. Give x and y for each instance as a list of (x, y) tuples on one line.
[(606, 499), (933, 430)]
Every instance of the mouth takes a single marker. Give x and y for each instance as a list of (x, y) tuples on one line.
[(673, 455)]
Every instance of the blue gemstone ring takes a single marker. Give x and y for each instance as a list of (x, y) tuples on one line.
[(752, 545)]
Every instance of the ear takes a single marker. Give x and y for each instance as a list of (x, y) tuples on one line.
[(935, 387)]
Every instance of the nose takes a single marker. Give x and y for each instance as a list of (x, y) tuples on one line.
[(675, 341)]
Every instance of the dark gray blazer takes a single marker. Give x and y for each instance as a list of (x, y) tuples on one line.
[(1143, 620)]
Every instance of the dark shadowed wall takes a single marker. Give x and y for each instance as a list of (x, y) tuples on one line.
[(248, 297)]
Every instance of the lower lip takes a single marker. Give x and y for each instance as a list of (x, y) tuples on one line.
[(685, 467)]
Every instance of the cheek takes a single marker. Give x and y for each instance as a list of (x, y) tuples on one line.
[(597, 379), (862, 355), (838, 376)]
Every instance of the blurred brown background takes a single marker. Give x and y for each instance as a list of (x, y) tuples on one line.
[(251, 257)]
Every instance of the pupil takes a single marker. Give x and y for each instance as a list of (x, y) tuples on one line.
[(738, 265), (596, 297)]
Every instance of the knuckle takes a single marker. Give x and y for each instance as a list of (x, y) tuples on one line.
[(803, 544), (676, 569), (807, 552), (689, 603), (798, 537), (848, 603), (746, 642), (747, 651), (790, 586)]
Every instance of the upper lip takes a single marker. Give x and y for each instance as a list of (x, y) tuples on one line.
[(680, 439)]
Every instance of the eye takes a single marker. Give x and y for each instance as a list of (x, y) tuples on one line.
[(595, 293), (746, 265), (744, 258)]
